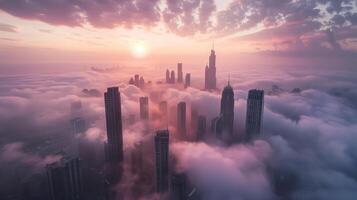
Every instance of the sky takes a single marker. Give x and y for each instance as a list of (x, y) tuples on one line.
[(162, 32)]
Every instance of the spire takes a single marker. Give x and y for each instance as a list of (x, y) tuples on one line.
[(229, 79)]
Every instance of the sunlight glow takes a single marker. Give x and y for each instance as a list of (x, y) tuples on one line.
[(139, 50)]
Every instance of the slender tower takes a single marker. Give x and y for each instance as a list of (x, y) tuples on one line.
[(179, 73), (210, 71), (227, 110), (255, 107), (162, 160), (181, 120), (144, 108), (114, 145)]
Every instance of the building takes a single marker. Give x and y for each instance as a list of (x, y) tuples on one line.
[(162, 160), (78, 125), (187, 80), (141, 82), (168, 76), (131, 81), (179, 187), (144, 108), (136, 80), (210, 72), (227, 110), (179, 73), (172, 79), (255, 107), (201, 127), (64, 180), (114, 145), (181, 120)]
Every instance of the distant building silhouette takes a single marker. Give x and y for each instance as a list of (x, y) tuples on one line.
[(172, 79), (144, 108), (64, 180), (201, 127), (131, 81), (222, 126), (78, 125), (179, 73), (255, 107), (179, 187), (114, 145), (181, 120), (187, 80), (141, 82), (168, 80), (162, 160), (210, 72)]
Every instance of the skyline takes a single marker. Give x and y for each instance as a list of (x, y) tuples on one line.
[(284, 31), (178, 99)]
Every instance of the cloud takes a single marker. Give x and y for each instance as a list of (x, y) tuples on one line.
[(8, 28)]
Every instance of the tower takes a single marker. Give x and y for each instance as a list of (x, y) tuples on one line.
[(64, 180), (227, 110), (172, 77), (181, 120), (179, 187), (210, 72), (201, 127), (162, 160), (144, 108), (187, 80), (255, 107), (114, 146), (179, 73), (167, 76)]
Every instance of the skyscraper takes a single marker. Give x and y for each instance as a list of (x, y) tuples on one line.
[(227, 110), (172, 79), (222, 126), (78, 125), (210, 72), (179, 187), (201, 127), (168, 76), (181, 120), (114, 145), (144, 108), (187, 80), (64, 180), (179, 73), (255, 106), (162, 160)]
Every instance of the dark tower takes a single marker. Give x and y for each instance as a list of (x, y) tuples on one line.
[(64, 180), (114, 145), (144, 108), (210, 72), (167, 76), (179, 187), (187, 80), (227, 110), (201, 127), (172, 79), (179, 73), (181, 120), (162, 160), (255, 107)]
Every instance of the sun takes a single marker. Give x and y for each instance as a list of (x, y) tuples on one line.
[(139, 50)]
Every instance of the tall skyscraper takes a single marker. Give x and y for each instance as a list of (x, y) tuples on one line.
[(181, 120), (201, 127), (136, 80), (227, 110), (64, 180), (222, 126), (179, 73), (179, 187), (187, 80), (144, 108), (162, 160), (78, 125), (255, 107), (114, 145), (172, 79), (168, 76), (210, 72)]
